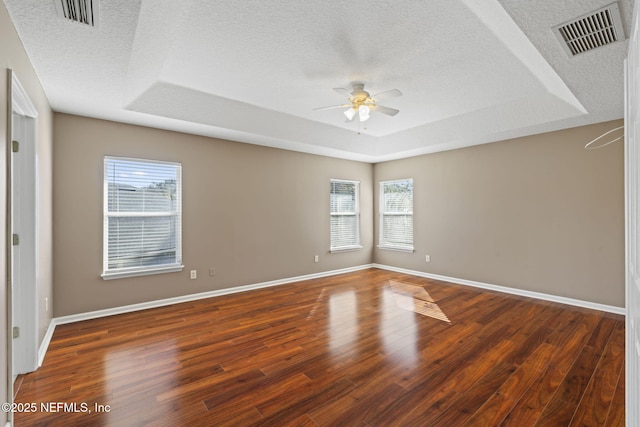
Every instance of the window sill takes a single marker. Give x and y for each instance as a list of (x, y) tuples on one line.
[(345, 249), (121, 274), (396, 248)]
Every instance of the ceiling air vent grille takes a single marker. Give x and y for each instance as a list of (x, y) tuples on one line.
[(81, 11), (590, 31)]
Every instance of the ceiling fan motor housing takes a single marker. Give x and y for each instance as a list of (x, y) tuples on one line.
[(360, 96)]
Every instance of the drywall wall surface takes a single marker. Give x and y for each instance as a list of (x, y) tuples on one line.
[(252, 213), (538, 213)]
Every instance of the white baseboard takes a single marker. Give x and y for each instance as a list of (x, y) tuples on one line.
[(507, 290), (193, 297), (44, 345)]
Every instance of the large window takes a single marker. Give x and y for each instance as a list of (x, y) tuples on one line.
[(142, 217), (345, 215), (396, 215)]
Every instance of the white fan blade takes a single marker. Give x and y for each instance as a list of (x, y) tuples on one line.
[(332, 107), (343, 91), (385, 110), (387, 94)]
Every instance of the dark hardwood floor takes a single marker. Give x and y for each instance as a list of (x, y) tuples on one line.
[(371, 348)]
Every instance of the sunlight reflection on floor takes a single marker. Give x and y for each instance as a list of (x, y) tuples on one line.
[(417, 299), (338, 311), (398, 332), (343, 319)]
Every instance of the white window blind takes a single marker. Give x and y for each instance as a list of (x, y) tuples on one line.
[(345, 214), (142, 217), (396, 214)]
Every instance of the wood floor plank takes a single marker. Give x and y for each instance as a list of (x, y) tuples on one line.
[(563, 404), (444, 384), (596, 401), (352, 410), (275, 414), (616, 415), (496, 408), (466, 403), (569, 338), (345, 350)]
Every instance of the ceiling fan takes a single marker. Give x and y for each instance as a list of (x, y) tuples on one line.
[(362, 103)]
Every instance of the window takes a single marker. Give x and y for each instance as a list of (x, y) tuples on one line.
[(142, 217), (345, 215), (396, 215)]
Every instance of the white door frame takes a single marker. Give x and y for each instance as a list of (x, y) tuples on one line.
[(632, 223), (22, 220)]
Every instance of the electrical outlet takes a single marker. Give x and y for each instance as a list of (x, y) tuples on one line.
[(194, 274), (212, 272), (427, 258), (316, 258)]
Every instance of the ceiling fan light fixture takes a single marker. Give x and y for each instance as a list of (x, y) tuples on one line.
[(350, 113), (361, 103), (363, 112)]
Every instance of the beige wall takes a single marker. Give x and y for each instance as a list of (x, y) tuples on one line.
[(538, 213), (253, 213), (13, 56)]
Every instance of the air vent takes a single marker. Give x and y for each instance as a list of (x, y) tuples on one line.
[(590, 31), (84, 12)]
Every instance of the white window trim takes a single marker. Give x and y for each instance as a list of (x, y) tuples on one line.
[(138, 271), (357, 246), (396, 248), (346, 248), (406, 249)]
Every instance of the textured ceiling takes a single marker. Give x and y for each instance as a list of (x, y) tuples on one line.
[(471, 71)]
